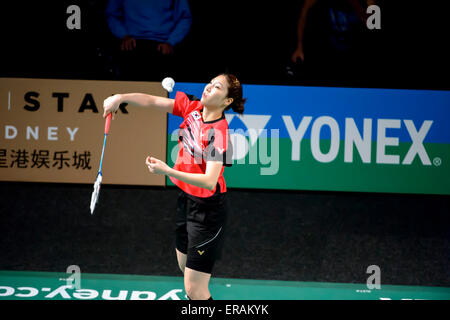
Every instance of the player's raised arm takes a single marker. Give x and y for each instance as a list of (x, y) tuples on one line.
[(111, 104)]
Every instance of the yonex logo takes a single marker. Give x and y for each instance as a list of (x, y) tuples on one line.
[(353, 137), (201, 252), (362, 142)]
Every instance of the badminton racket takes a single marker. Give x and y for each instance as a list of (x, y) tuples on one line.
[(98, 181)]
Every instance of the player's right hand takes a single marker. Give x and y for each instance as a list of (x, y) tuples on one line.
[(111, 105)]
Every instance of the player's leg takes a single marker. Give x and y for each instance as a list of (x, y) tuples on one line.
[(181, 235), (196, 284), (205, 228), (181, 258), (200, 260)]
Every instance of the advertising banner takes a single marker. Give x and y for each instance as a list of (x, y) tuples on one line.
[(53, 131), (336, 139)]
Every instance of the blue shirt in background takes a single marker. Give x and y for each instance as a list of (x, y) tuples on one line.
[(159, 20)]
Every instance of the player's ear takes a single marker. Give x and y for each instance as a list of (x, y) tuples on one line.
[(228, 101)]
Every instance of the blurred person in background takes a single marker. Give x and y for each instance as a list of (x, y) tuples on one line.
[(333, 41), (148, 32)]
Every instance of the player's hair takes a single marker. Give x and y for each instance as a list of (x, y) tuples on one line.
[(235, 92)]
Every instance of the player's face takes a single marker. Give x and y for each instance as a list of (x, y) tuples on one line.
[(215, 93)]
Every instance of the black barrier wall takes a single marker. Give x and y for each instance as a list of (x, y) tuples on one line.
[(300, 236)]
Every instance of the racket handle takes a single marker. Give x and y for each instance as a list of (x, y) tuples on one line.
[(108, 122)]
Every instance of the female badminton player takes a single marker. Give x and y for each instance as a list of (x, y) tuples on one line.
[(204, 150)]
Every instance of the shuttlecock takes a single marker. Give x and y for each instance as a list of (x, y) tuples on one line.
[(168, 84)]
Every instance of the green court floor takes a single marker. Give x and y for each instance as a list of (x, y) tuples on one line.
[(26, 285)]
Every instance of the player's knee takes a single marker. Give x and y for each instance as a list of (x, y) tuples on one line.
[(195, 291), (192, 292)]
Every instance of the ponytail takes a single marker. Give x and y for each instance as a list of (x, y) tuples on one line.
[(238, 106), (235, 92)]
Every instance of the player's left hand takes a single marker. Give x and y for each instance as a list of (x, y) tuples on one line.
[(156, 166)]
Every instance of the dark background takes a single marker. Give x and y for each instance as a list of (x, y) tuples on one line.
[(253, 39), (286, 235)]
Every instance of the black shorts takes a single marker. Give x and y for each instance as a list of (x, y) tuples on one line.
[(200, 227)]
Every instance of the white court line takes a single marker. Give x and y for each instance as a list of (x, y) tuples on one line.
[(9, 100)]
